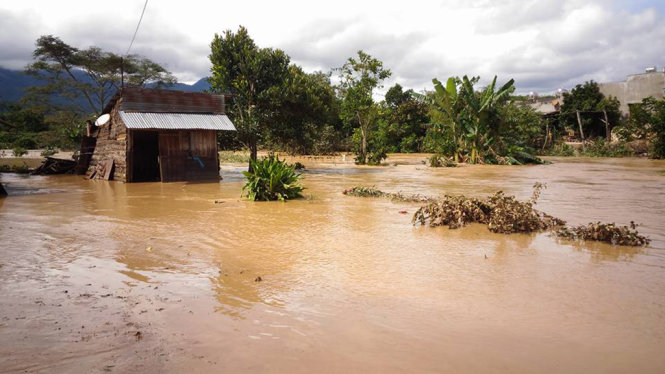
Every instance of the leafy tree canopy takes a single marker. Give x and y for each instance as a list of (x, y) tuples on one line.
[(358, 79), (90, 74), (252, 75), (587, 97)]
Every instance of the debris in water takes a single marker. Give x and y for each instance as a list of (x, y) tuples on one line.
[(505, 214), (605, 232), (219, 201), (258, 279), (149, 249), (361, 191), (138, 335), (501, 213), (403, 212)]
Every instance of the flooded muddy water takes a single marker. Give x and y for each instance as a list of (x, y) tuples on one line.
[(109, 277)]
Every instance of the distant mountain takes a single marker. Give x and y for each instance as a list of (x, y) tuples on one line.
[(200, 86), (14, 82)]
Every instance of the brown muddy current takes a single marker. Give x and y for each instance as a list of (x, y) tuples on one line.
[(158, 278)]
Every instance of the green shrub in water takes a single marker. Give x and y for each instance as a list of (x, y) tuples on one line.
[(272, 179), (437, 160), (19, 151)]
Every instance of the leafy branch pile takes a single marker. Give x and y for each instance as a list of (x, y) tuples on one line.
[(605, 232), (505, 214), (501, 213)]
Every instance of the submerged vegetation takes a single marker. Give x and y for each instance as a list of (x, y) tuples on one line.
[(436, 161), (605, 232), (501, 213), (272, 179), (360, 191), (505, 214)]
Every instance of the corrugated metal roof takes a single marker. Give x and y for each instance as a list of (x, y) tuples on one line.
[(176, 121), (165, 101)]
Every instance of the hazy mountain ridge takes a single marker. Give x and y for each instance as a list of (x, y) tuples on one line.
[(14, 82)]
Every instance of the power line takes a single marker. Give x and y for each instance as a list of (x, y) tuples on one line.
[(137, 27)]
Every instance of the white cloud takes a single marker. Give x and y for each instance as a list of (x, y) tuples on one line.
[(543, 44)]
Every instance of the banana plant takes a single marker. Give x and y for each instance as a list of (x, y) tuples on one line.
[(481, 106)]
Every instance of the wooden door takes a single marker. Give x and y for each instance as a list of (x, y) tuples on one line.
[(172, 155)]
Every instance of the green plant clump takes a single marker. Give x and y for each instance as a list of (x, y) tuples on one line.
[(49, 151), (600, 148), (19, 152), (559, 149), (272, 179), (437, 160)]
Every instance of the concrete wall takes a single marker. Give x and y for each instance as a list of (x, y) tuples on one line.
[(635, 88)]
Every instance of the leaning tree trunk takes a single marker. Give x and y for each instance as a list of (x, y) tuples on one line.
[(253, 151)]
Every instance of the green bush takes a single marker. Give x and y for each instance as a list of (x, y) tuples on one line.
[(19, 151), (559, 149), (600, 148), (49, 151), (437, 161), (272, 179)]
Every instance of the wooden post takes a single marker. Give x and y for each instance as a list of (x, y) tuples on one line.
[(3, 192), (579, 122), (547, 132), (608, 134)]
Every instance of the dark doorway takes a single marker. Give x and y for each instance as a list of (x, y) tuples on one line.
[(145, 156)]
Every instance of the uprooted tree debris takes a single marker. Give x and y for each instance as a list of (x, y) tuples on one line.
[(505, 214), (605, 232)]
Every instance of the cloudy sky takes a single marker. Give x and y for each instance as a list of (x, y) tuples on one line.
[(542, 44)]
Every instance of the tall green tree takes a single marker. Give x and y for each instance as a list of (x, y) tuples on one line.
[(85, 79), (649, 117), (403, 120), (253, 76), (359, 78), (306, 113)]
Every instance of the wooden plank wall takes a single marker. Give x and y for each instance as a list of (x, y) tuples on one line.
[(188, 155), (111, 145), (203, 145)]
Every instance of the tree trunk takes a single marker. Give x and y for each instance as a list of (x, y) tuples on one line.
[(3, 193), (252, 152), (579, 122), (547, 133), (363, 149), (608, 132)]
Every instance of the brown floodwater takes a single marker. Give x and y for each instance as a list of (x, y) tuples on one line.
[(109, 277)]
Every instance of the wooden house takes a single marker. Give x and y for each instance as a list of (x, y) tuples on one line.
[(158, 135)]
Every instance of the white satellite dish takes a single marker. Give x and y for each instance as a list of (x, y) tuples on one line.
[(103, 120)]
